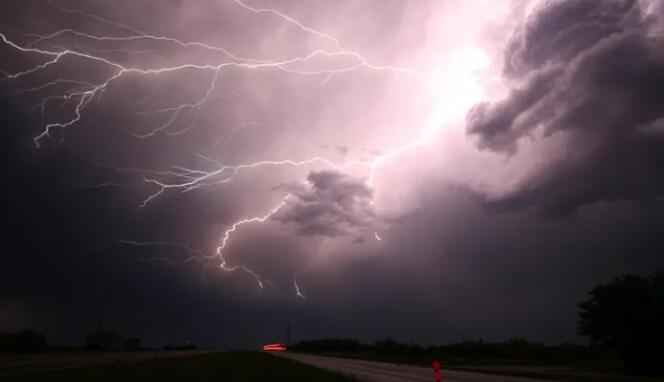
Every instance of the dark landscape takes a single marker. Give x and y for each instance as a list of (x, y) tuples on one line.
[(369, 190)]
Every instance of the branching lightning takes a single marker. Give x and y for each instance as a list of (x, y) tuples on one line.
[(180, 178)]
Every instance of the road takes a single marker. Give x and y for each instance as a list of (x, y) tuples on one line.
[(371, 371)]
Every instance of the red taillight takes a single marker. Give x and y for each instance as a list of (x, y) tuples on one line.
[(274, 347)]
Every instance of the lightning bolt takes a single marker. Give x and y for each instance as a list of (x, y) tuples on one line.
[(298, 291), (180, 178), (227, 235)]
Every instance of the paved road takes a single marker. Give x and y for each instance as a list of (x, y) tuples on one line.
[(371, 371), (31, 363)]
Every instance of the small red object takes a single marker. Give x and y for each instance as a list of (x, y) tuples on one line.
[(436, 371)]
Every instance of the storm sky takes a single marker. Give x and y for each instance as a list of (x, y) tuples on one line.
[(429, 171)]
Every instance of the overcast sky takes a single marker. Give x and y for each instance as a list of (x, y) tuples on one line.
[(429, 171)]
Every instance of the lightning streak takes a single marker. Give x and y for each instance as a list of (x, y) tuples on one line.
[(227, 235), (298, 291), (180, 178)]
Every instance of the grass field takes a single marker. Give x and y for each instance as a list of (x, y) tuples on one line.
[(227, 366)]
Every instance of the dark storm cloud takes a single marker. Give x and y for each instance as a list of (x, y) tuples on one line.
[(595, 72), (331, 204), (64, 268), (443, 271), (560, 30), (500, 124)]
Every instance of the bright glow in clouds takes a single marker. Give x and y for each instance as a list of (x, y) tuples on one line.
[(427, 96), (457, 88)]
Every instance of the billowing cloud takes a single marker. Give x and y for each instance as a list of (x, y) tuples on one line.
[(330, 204), (560, 30), (591, 72)]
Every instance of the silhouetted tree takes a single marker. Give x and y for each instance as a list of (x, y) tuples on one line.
[(104, 340), (133, 344), (480, 351), (628, 313), (22, 342)]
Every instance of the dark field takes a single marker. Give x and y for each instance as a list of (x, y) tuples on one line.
[(226, 366)]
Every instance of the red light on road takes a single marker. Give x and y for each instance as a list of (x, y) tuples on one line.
[(437, 374), (274, 347)]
